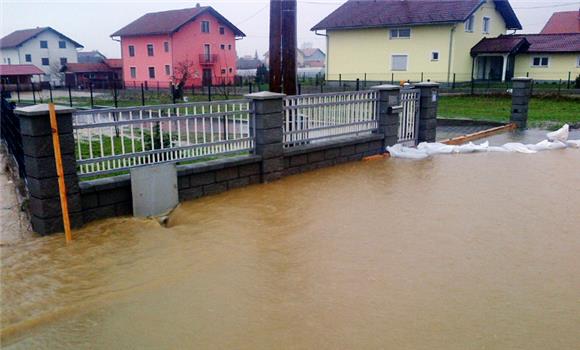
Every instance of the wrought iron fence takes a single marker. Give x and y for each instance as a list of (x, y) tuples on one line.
[(114, 140), (322, 117)]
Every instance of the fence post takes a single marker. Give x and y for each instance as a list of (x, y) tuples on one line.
[(33, 95), (209, 92), (388, 121), (428, 111), (115, 94), (91, 90), (472, 87), (142, 95), (522, 92), (50, 91), (365, 82), (357, 84), (339, 79), (40, 167), (453, 84), (70, 96), (268, 114), (569, 79), (392, 78), (18, 90), (422, 76), (299, 89)]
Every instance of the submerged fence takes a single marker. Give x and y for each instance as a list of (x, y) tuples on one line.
[(113, 140), (323, 117)]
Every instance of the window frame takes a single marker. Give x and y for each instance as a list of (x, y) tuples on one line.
[(406, 62), (486, 20), (398, 31), (131, 49), (27, 57), (168, 69), (222, 46), (63, 59), (438, 56), (133, 72), (63, 42), (45, 42), (541, 58), (150, 53), (230, 47), (166, 46), (578, 61), (150, 70), (203, 26), (45, 59), (469, 24), (222, 30)]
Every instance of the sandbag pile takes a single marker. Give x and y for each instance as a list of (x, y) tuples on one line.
[(555, 140)]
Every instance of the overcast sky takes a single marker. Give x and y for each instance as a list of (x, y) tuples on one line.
[(90, 22)]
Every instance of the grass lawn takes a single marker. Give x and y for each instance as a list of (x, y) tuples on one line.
[(544, 111)]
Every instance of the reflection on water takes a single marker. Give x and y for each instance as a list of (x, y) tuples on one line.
[(477, 251)]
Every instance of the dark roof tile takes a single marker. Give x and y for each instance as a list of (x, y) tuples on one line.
[(531, 43), (19, 37), (563, 22)]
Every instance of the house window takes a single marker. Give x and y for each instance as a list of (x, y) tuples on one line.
[(167, 69), (540, 61), (131, 50), (149, 49), (222, 31), (9, 60), (229, 47), (400, 33), (231, 70), (205, 26), (45, 61), (486, 25), (166, 46), (222, 46), (469, 24), (152, 72), (133, 72), (435, 56), (43, 44), (578, 61), (63, 61), (28, 57), (399, 62), (62, 44), (223, 71)]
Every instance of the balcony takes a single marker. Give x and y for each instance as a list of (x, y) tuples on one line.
[(208, 59)]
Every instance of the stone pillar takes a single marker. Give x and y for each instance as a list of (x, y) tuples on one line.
[(40, 166), (267, 130), (522, 92), (428, 111), (389, 96)]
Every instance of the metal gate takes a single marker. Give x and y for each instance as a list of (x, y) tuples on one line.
[(409, 116)]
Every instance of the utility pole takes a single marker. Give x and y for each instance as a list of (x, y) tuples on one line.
[(275, 53), (289, 41)]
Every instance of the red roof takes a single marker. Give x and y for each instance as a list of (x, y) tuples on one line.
[(19, 69), (115, 63), (385, 13), (563, 22), (86, 68), (19, 37), (532, 43), (167, 22), (310, 51)]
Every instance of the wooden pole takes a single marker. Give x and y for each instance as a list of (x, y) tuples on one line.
[(289, 41), (59, 172), (275, 53)]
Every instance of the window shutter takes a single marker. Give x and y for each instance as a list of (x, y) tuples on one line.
[(399, 62)]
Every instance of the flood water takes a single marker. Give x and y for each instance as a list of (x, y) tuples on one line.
[(477, 251)]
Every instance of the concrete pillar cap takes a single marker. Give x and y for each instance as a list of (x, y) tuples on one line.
[(265, 95), (42, 109), (427, 84), (386, 87)]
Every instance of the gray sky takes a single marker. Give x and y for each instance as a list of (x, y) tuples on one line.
[(90, 22)]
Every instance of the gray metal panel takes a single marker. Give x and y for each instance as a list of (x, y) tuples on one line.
[(154, 189)]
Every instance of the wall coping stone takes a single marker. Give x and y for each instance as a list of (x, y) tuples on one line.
[(265, 95), (188, 169), (104, 184), (427, 84), (521, 79), (293, 151), (386, 87), (42, 109)]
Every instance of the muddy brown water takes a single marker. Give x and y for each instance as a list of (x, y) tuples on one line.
[(478, 251)]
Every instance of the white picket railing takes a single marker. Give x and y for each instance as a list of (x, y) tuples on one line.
[(323, 117), (113, 140), (409, 116)]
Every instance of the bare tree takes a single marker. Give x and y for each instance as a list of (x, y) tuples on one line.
[(182, 73)]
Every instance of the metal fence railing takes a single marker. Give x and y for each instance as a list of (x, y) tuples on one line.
[(409, 117), (322, 117), (114, 140)]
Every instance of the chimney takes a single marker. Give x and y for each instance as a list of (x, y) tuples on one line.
[(197, 5)]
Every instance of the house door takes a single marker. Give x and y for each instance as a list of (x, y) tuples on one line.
[(206, 76)]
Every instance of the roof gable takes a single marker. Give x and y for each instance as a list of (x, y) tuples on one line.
[(384, 13), (19, 37), (168, 22), (563, 22)]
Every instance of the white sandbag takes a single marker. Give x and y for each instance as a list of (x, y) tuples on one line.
[(517, 147), (435, 148), (573, 143), (560, 134), (398, 151), (546, 145), (498, 149)]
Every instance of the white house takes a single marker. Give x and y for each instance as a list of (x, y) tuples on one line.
[(43, 47)]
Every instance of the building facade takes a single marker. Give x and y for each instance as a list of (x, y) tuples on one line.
[(44, 47), (191, 47)]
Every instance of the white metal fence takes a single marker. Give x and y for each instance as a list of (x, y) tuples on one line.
[(409, 116), (323, 117), (113, 140)]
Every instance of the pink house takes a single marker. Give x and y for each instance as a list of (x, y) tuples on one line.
[(195, 46)]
